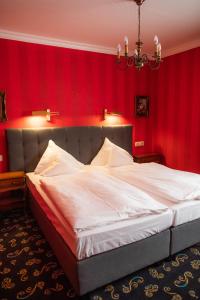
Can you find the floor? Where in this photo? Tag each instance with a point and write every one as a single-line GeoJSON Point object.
{"type": "Point", "coordinates": [29, 270]}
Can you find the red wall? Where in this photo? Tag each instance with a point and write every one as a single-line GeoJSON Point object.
{"type": "Point", "coordinates": [80, 84]}
{"type": "Point", "coordinates": [175, 92]}
{"type": "Point", "coordinates": [77, 84]}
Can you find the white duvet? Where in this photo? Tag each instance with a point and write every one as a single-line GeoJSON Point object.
{"type": "Point", "coordinates": [173, 185]}
{"type": "Point", "coordinates": [91, 198]}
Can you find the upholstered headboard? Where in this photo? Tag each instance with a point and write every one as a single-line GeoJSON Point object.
{"type": "Point", "coordinates": [26, 146]}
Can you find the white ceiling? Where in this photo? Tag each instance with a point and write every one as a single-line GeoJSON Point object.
{"type": "Point", "coordinates": [100, 25]}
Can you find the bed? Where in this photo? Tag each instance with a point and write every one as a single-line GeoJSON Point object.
{"type": "Point", "coordinates": [25, 147]}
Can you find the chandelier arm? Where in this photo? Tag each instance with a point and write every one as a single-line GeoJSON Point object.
{"type": "Point", "coordinates": [127, 62]}
{"type": "Point", "coordinates": [130, 61]}
{"type": "Point", "coordinates": [154, 64]}
{"type": "Point", "coordinates": [145, 58]}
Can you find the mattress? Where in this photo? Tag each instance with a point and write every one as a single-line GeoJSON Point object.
{"type": "Point", "coordinates": [97, 240]}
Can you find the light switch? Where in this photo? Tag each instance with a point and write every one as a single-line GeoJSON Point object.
{"type": "Point", "coordinates": [139, 144]}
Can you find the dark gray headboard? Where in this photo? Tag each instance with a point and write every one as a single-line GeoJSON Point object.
{"type": "Point", "coordinates": [26, 146]}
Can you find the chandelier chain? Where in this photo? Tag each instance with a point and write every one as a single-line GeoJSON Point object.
{"type": "Point", "coordinates": [139, 18]}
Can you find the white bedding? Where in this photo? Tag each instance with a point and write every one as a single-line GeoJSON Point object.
{"type": "Point", "coordinates": [91, 198]}
{"type": "Point", "coordinates": [102, 238]}
{"type": "Point", "coordinates": [173, 185]}
{"type": "Point", "coordinates": [162, 184]}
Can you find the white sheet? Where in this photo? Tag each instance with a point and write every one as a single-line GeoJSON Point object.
{"type": "Point", "coordinates": [91, 198]}
{"type": "Point", "coordinates": [173, 185]}
{"type": "Point", "coordinates": [104, 238]}
{"type": "Point", "coordinates": [186, 212]}
{"type": "Point", "coordinates": [145, 176]}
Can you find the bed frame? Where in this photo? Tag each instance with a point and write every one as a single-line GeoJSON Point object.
{"type": "Point", "coordinates": [26, 146]}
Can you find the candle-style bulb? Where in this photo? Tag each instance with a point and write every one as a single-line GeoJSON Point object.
{"type": "Point", "coordinates": [119, 48]}
{"type": "Point", "coordinates": [126, 45]}
{"type": "Point", "coordinates": [159, 49]}
{"type": "Point", "coordinates": [126, 40]}
{"type": "Point", "coordinates": [155, 40]}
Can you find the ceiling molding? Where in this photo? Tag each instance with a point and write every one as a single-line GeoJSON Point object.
{"type": "Point", "coordinates": [29, 38]}
{"type": "Point", "coordinates": [181, 48]}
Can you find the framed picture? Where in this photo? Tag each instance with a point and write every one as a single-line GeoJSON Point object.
{"type": "Point", "coordinates": [141, 106]}
{"type": "Point", "coordinates": [3, 116]}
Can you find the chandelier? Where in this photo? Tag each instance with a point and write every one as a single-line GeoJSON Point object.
{"type": "Point", "coordinates": [139, 59]}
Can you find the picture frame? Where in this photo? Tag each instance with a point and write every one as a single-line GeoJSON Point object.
{"type": "Point", "coordinates": [3, 115]}
{"type": "Point", "coordinates": [141, 106]}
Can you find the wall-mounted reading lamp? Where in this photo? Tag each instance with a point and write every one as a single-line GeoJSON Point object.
{"type": "Point", "coordinates": [46, 113]}
{"type": "Point", "coordinates": [110, 114]}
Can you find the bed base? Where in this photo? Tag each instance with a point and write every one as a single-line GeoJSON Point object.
{"type": "Point", "coordinates": [90, 273]}
{"type": "Point", "coordinates": [184, 236]}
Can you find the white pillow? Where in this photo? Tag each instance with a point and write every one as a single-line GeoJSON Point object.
{"type": "Point", "coordinates": [47, 158]}
{"type": "Point", "coordinates": [56, 161]}
{"type": "Point", "coordinates": [119, 157]}
{"type": "Point", "coordinates": [59, 168]}
{"type": "Point", "coordinates": [111, 155]}
{"type": "Point", "coordinates": [101, 159]}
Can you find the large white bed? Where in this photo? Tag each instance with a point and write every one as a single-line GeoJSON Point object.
{"type": "Point", "coordinates": [142, 233]}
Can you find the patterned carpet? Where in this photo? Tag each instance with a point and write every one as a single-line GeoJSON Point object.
{"type": "Point", "coordinates": [29, 270]}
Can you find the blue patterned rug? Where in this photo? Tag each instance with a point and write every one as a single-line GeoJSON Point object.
{"type": "Point", "coordinates": [29, 270]}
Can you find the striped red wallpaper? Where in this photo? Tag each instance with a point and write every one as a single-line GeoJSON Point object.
{"type": "Point", "coordinates": [77, 84]}
{"type": "Point", "coordinates": [80, 84]}
{"type": "Point", "coordinates": [175, 91]}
